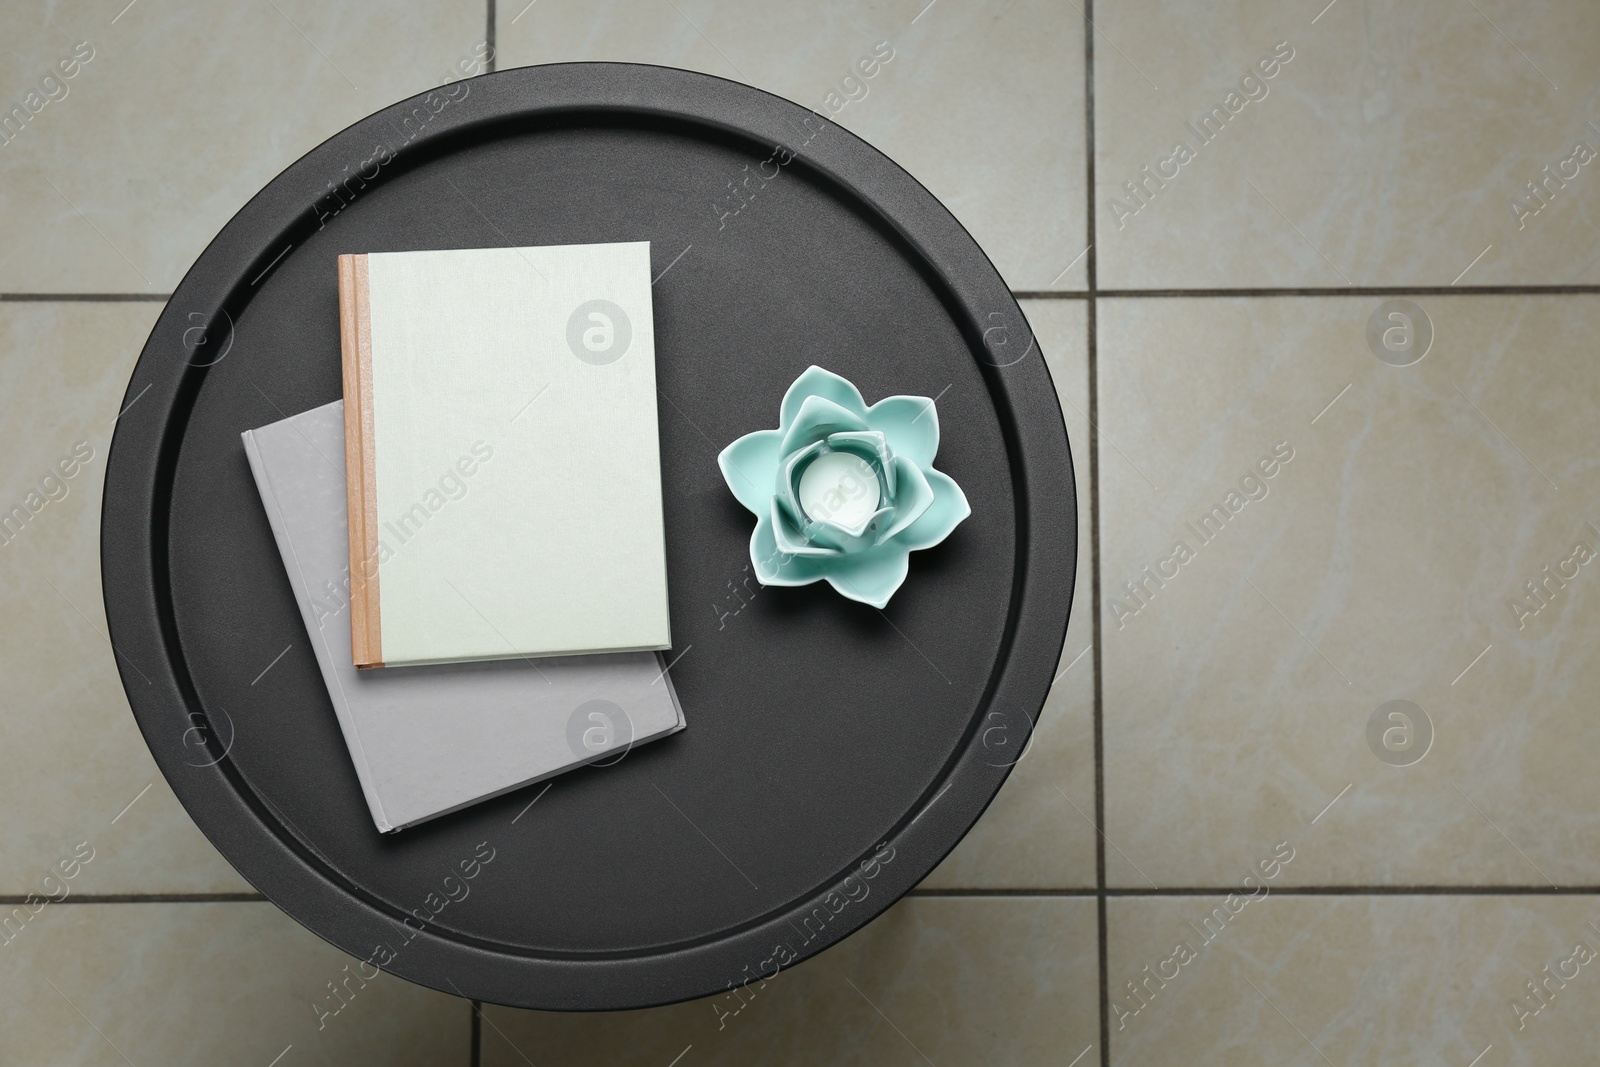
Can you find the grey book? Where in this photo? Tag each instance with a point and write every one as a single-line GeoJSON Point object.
{"type": "Point", "coordinates": [429, 740]}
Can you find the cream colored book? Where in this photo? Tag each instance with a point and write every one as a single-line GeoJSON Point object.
{"type": "Point", "coordinates": [504, 488]}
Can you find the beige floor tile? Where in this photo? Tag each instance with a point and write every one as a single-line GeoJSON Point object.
{"type": "Point", "coordinates": [1039, 832]}
{"type": "Point", "coordinates": [982, 103]}
{"type": "Point", "coordinates": [1388, 150]}
{"type": "Point", "coordinates": [113, 984]}
{"type": "Point", "coordinates": [73, 758]}
{"type": "Point", "coordinates": [1380, 563]}
{"type": "Point", "coordinates": [181, 113]}
{"type": "Point", "coordinates": [935, 979]}
{"type": "Point", "coordinates": [1290, 980]}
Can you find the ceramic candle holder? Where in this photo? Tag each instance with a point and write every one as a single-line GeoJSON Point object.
{"type": "Point", "coordinates": [843, 492]}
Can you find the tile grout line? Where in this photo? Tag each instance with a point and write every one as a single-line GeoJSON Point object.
{"type": "Point", "coordinates": [1288, 891]}
{"type": "Point", "coordinates": [490, 68]}
{"type": "Point", "coordinates": [1343, 290]}
{"type": "Point", "coordinates": [84, 298]}
{"type": "Point", "coordinates": [475, 1055]}
{"type": "Point", "coordinates": [1091, 340]}
{"type": "Point", "coordinates": [7, 900]}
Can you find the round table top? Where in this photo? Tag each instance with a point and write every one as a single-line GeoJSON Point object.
{"type": "Point", "coordinates": [834, 752]}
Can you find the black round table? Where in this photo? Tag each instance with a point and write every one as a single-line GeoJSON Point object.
{"type": "Point", "coordinates": [834, 752]}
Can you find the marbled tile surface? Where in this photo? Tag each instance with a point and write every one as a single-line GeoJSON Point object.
{"type": "Point", "coordinates": [73, 761]}
{"type": "Point", "coordinates": [933, 980]}
{"type": "Point", "coordinates": [1346, 980]}
{"type": "Point", "coordinates": [1379, 563]}
{"type": "Point", "coordinates": [1394, 146]}
{"type": "Point", "coordinates": [105, 984]}
{"type": "Point", "coordinates": [180, 114]}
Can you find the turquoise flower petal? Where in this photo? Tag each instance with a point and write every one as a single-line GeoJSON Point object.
{"type": "Point", "coordinates": [774, 567]}
{"type": "Point", "coordinates": [749, 466]}
{"type": "Point", "coordinates": [790, 540]}
{"type": "Point", "coordinates": [872, 447]}
{"type": "Point", "coordinates": [911, 423]}
{"type": "Point", "coordinates": [826, 532]}
{"type": "Point", "coordinates": [916, 506]}
{"type": "Point", "coordinates": [818, 382]}
{"type": "Point", "coordinates": [949, 507]}
{"type": "Point", "coordinates": [870, 577]}
{"type": "Point", "coordinates": [788, 486]}
{"type": "Point", "coordinates": [913, 500]}
{"type": "Point", "coordinates": [817, 418]}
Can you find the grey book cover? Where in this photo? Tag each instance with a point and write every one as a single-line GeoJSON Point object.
{"type": "Point", "coordinates": [428, 740]}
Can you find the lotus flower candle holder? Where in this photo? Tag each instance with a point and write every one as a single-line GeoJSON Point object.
{"type": "Point", "coordinates": [843, 492]}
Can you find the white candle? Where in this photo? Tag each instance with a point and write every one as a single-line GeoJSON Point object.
{"type": "Point", "coordinates": [840, 487]}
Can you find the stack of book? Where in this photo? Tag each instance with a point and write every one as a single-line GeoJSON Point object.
{"type": "Point", "coordinates": [474, 534]}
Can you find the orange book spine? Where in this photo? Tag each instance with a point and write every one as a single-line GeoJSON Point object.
{"type": "Point", "coordinates": [361, 485]}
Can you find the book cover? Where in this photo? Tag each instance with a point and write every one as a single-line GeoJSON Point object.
{"type": "Point", "coordinates": [504, 496]}
{"type": "Point", "coordinates": [429, 740]}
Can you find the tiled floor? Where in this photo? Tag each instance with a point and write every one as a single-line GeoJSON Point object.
{"type": "Point", "coordinates": [1225, 844]}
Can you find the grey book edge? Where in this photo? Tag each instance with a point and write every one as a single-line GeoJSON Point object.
{"type": "Point", "coordinates": [499, 679]}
